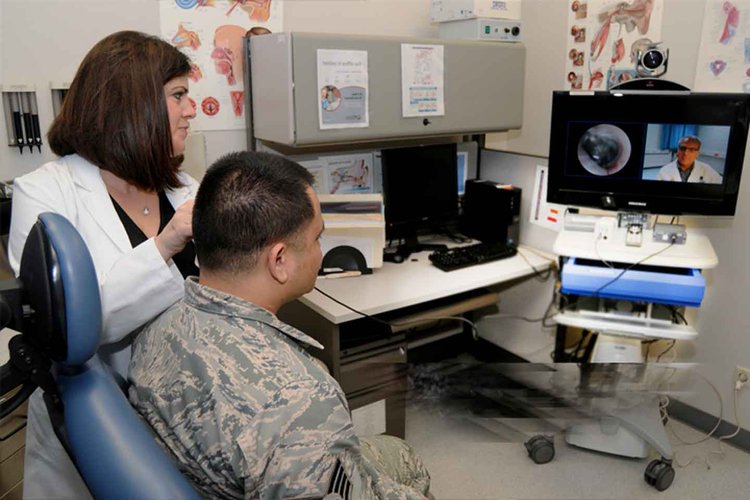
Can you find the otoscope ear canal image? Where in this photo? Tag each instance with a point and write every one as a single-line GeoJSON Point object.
{"type": "Point", "coordinates": [604, 149]}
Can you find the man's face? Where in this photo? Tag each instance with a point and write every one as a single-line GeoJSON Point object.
{"type": "Point", "coordinates": [687, 152]}
{"type": "Point", "coordinates": [306, 251]}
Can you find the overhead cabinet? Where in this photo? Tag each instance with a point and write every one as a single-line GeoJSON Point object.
{"type": "Point", "coordinates": [482, 87]}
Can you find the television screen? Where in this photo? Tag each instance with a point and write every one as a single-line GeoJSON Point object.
{"type": "Point", "coordinates": [420, 188]}
{"type": "Point", "coordinates": [663, 153]}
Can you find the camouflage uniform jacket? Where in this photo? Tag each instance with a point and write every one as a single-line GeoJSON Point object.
{"type": "Point", "coordinates": [243, 408]}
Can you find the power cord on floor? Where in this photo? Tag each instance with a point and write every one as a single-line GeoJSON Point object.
{"type": "Point", "coordinates": [705, 459]}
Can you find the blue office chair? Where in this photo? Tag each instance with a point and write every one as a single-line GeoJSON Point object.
{"type": "Point", "coordinates": [113, 449]}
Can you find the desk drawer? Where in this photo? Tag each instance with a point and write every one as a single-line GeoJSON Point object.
{"type": "Point", "coordinates": [373, 368]}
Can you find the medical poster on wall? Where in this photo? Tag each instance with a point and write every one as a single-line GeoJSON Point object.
{"type": "Point", "coordinates": [210, 33]}
{"type": "Point", "coordinates": [342, 174]}
{"type": "Point", "coordinates": [602, 38]}
{"type": "Point", "coordinates": [422, 80]}
{"type": "Point", "coordinates": [724, 56]}
{"type": "Point", "coordinates": [343, 89]}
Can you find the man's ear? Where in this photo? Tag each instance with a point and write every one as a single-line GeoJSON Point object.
{"type": "Point", "coordinates": [278, 262]}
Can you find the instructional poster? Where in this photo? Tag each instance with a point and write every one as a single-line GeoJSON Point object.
{"type": "Point", "coordinates": [342, 174]}
{"type": "Point", "coordinates": [604, 37]}
{"type": "Point", "coordinates": [210, 33]}
{"type": "Point", "coordinates": [422, 80]}
{"type": "Point", "coordinates": [343, 86]}
{"type": "Point", "coordinates": [724, 56]}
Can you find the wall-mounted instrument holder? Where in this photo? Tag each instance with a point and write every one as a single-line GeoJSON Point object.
{"type": "Point", "coordinates": [58, 89]}
{"type": "Point", "coordinates": [21, 117]}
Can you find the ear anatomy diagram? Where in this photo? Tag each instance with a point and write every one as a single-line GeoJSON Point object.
{"type": "Point", "coordinates": [257, 10]}
{"type": "Point", "coordinates": [632, 15]}
{"type": "Point", "coordinates": [186, 38]}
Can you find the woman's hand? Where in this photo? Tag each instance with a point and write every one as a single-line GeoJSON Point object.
{"type": "Point", "coordinates": [177, 232]}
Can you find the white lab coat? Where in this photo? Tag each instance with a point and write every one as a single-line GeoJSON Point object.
{"type": "Point", "coordinates": [135, 285]}
{"type": "Point", "coordinates": [702, 173]}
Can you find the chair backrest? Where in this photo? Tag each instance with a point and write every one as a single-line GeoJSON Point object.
{"type": "Point", "coordinates": [114, 450]}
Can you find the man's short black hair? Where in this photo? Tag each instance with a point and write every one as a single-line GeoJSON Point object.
{"type": "Point", "coordinates": [246, 201]}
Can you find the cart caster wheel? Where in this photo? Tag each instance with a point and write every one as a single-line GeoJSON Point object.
{"type": "Point", "coordinates": [541, 449]}
{"type": "Point", "coordinates": [659, 474]}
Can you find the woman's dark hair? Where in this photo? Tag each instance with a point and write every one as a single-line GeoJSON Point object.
{"type": "Point", "coordinates": [115, 113]}
{"type": "Point", "coordinates": [245, 202]}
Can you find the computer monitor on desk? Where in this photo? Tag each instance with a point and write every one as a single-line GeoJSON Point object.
{"type": "Point", "coordinates": [420, 191]}
{"type": "Point", "coordinates": [623, 151]}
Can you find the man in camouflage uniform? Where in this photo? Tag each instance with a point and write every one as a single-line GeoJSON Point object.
{"type": "Point", "coordinates": [229, 388]}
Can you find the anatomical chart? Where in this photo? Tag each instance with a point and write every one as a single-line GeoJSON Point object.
{"type": "Point", "coordinates": [210, 33]}
{"type": "Point", "coordinates": [342, 174]}
{"type": "Point", "coordinates": [724, 56]}
{"type": "Point", "coordinates": [603, 38]}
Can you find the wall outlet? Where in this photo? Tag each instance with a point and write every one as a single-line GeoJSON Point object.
{"type": "Point", "coordinates": [742, 376]}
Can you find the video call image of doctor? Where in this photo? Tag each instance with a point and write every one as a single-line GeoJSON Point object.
{"type": "Point", "coordinates": [120, 136]}
{"type": "Point", "coordinates": [686, 167]}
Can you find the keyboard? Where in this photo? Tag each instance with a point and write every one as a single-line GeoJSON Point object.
{"type": "Point", "coordinates": [478, 253]}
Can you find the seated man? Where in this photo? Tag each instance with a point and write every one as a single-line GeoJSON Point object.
{"type": "Point", "coordinates": [687, 167]}
{"type": "Point", "coordinates": [229, 388]}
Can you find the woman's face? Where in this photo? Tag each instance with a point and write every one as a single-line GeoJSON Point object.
{"type": "Point", "coordinates": [180, 111]}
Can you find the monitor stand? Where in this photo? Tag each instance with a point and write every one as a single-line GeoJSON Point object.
{"type": "Point", "coordinates": [410, 245]}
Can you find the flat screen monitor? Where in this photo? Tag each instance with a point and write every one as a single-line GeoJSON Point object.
{"type": "Point", "coordinates": [420, 191]}
{"type": "Point", "coordinates": [661, 153]}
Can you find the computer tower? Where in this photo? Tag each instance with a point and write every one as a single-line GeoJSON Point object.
{"type": "Point", "coordinates": [491, 211]}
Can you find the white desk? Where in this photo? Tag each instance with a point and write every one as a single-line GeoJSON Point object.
{"type": "Point", "coordinates": [412, 282]}
{"type": "Point", "coordinates": [371, 368]}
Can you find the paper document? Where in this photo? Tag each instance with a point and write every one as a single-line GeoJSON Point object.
{"type": "Point", "coordinates": [343, 88]}
{"type": "Point", "coordinates": [422, 80]}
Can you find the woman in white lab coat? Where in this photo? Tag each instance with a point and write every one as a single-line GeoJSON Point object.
{"type": "Point", "coordinates": [120, 136]}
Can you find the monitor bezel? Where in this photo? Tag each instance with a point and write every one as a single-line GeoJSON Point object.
{"type": "Point", "coordinates": [657, 197]}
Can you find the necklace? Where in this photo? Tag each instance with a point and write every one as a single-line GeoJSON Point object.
{"type": "Point", "coordinates": [146, 211]}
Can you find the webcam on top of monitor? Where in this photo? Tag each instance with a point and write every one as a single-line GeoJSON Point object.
{"type": "Point", "coordinates": [650, 59]}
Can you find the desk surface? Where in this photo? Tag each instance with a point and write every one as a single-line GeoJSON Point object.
{"type": "Point", "coordinates": [413, 282]}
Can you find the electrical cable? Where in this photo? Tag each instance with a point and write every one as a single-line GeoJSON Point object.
{"type": "Point", "coordinates": [721, 451]}
{"type": "Point", "coordinates": [474, 331]}
{"type": "Point", "coordinates": [548, 315]}
{"type": "Point", "coordinates": [540, 275]}
{"type": "Point", "coordinates": [718, 421]}
{"type": "Point", "coordinates": [671, 345]}
{"type": "Point", "coordinates": [596, 292]}
{"type": "Point", "coordinates": [596, 251]}
{"type": "Point", "coordinates": [677, 315]}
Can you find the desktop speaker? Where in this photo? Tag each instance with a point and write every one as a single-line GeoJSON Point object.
{"type": "Point", "coordinates": [491, 212]}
